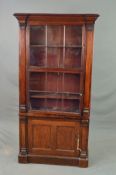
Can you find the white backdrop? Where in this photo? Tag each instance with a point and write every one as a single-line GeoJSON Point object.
{"type": "Point", "coordinates": [102, 142]}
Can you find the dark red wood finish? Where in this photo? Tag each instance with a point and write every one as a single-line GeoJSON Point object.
{"type": "Point", "coordinates": [55, 65]}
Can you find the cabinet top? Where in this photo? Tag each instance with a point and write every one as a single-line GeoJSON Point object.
{"type": "Point", "coordinates": [56, 18]}
{"type": "Point", "coordinates": [56, 14]}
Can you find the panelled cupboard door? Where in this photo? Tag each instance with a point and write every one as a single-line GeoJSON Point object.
{"type": "Point", "coordinates": [59, 138]}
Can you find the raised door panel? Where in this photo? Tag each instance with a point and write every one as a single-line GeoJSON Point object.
{"type": "Point", "coordinates": [54, 137]}
{"type": "Point", "coordinates": [63, 133]}
{"type": "Point", "coordinates": [41, 136]}
{"type": "Point", "coordinates": [67, 135]}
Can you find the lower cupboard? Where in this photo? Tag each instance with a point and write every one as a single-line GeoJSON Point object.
{"type": "Point", "coordinates": [53, 137]}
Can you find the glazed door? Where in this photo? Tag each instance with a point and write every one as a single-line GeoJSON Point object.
{"type": "Point", "coordinates": [61, 138]}
{"type": "Point", "coordinates": [55, 57]}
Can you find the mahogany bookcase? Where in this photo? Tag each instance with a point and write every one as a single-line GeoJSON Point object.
{"type": "Point", "coordinates": [55, 64]}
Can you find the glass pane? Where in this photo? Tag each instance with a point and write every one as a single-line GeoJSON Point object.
{"type": "Point", "coordinates": [37, 81]}
{"type": "Point", "coordinates": [72, 83]}
{"type": "Point", "coordinates": [37, 35]}
{"type": "Point", "coordinates": [70, 105]}
{"type": "Point", "coordinates": [38, 104]}
{"type": "Point", "coordinates": [54, 57]}
{"type": "Point", "coordinates": [73, 35]}
{"type": "Point", "coordinates": [54, 85]}
{"type": "Point", "coordinates": [52, 82]}
{"type": "Point", "coordinates": [37, 56]}
{"type": "Point", "coordinates": [55, 35]}
{"type": "Point", "coordinates": [72, 58]}
{"type": "Point", "coordinates": [54, 104]}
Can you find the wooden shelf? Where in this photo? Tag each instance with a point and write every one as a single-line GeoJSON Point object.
{"type": "Point", "coordinates": [55, 95]}
{"type": "Point", "coordinates": [65, 93]}
{"type": "Point", "coordinates": [56, 46]}
{"type": "Point", "coordinates": [46, 69]}
{"type": "Point", "coordinates": [52, 114]}
{"type": "Point", "coordinates": [55, 110]}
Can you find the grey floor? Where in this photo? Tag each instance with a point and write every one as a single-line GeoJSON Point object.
{"type": "Point", "coordinates": [102, 151]}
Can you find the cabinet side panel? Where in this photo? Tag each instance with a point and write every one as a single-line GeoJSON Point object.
{"type": "Point", "coordinates": [87, 96]}
{"type": "Point", "coordinates": [22, 95]}
{"type": "Point", "coordinates": [22, 69]}
{"type": "Point", "coordinates": [88, 69]}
